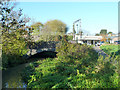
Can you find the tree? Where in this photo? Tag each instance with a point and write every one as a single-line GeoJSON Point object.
{"type": "Point", "coordinates": [97, 34]}
{"type": "Point", "coordinates": [69, 38]}
{"type": "Point", "coordinates": [103, 31]}
{"type": "Point", "coordinates": [58, 38]}
{"type": "Point", "coordinates": [12, 20]}
{"type": "Point", "coordinates": [56, 27]}
{"type": "Point", "coordinates": [110, 33]}
{"type": "Point", "coordinates": [103, 38]}
{"type": "Point", "coordinates": [37, 27]}
{"type": "Point", "coordinates": [52, 30]}
{"type": "Point", "coordinates": [14, 32]}
{"type": "Point", "coordinates": [109, 40]}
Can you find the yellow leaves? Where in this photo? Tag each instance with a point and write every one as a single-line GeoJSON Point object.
{"type": "Point", "coordinates": [93, 72]}
{"type": "Point", "coordinates": [78, 72]}
{"type": "Point", "coordinates": [81, 75]}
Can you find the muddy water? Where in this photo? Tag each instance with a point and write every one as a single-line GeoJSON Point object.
{"type": "Point", "coordinates": [11, 78]}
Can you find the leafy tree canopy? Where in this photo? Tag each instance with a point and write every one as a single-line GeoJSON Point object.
{"type": "Point", "coordinates": [56, 26]}
{"type": "Point", "coordinates": [110, 32]}
{"type": "Point", "coordinates": [37, 27]}
{"type": "Point", "coordinates": [97, 34]}
{"type": "Point", "coordinates": [103, 31]}
{"type": "Point", "coordinates": [14, 32]}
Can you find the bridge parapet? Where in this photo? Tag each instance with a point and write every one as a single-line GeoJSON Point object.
{"type": "Point", "coordinates": [40, 47]}
{"type": "Point", "coordinates": [34, 51]}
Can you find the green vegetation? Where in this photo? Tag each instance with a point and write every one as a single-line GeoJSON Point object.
{"type": "Point", "coordinates": [37, 28]}
{"type": "Point", "coordinates": [50, 31]}
{"type": "Point", "coordinates": [111, 49]}
{"type": "Point", "coordinates": [110, 33]}
{"type": "Point", "coordinates": [76, 66]}
{"type": "Point", "coordinates": [103, 31]}
{"type": "Point", "coordinates": [97, 34]}
{"type": "Point", "coordinates": [17, 36]}
{"type": "Point", "coordinates": [14, 30]}
{"type": "Point", "coordinates": [56, 27]}
{"type": "Point", "coordinates": [69, 38]}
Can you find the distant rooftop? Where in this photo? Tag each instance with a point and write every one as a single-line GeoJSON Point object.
{"type": "Point", "coordinates": [91, 37]}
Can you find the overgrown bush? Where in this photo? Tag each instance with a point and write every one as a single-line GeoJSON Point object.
{"type": "Point", "coordinates": [69, 38]}
{"type": "Point", "coordinates": [76, 66]}
{"type": "Point", "coordinates": [111, 49]}
{"type": "Point", "coordinates": [76, 51]}
{"type": "Point", "coordinates": [57, 73]}
{"type": "Point", "coordinates": [13, 50]}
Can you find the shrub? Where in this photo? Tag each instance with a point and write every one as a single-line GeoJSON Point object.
{"type": "Point", "coordinates": [76, 51]}
{"type": "Point", "coordinates": [13, 50]}
{"type": "Point", "coordinates": [77, 66]}
{"type": "Point", "coordinates": [111, 49]}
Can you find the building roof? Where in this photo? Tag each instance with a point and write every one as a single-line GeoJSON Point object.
{"type": "Point", "coordinates": [91, 38]}
{"type": "Point", "coordinates": [112, 37]}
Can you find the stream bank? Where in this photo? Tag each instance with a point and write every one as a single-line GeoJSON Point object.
{"type": "Point", "coordinates": [11, 78]}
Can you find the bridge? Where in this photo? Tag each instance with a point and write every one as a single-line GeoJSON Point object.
{"type": "Point", "coordinates": [34, 51]}
{"type": "Point", "coordinates": [40, 47]}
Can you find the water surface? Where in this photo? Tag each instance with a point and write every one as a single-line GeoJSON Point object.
{"type": "Point", "coordinates": [11, 78]}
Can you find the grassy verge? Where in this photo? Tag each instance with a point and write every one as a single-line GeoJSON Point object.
{"type": "Point", "coordinates": [111, 49]}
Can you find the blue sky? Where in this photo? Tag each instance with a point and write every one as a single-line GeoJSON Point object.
{"type": "Point", "coordinates": [94, 15]}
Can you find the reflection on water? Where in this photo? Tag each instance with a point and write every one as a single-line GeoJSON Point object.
{"type": "Point", "coordinates": [15, 85]}
{"type": "Point", "coordinates": [11, 78]}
